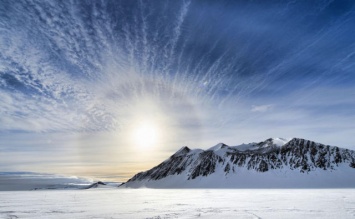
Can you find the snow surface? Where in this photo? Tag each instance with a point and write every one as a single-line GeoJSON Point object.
{"type": "Point", "coordinates": [254, 146]}
{"type": "Point", "coordinates": [217, 147]}
{"type": "Point", "coordinates": [280, 141]}
{"type": "Point", "coordinates": [183, 203]}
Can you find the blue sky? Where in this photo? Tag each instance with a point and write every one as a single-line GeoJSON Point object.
{"type": "Point", "coordinates": [77, 78]}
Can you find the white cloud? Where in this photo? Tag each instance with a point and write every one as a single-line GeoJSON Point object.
{"type": "Point", "coordinates": [262, 108]}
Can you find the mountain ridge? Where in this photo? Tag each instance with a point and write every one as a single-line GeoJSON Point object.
{"type": "Point", "coordinates": [275, 157]}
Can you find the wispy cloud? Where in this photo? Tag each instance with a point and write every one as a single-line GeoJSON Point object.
{"type": "Point", "coordinates": [72, 71]}
{"type": "Point", "coordinates": [262, 108]}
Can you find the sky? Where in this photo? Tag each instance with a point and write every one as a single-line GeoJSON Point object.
{"type": "Point", "coordinates": [106, 89]}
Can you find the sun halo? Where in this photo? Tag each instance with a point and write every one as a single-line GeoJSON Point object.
{"type": "Point", "coordinates": [145, 134]}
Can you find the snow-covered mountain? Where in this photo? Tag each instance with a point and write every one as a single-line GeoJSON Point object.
{"type": "Point", "coordinates": [273, 163]}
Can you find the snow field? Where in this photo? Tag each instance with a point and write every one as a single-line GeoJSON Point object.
{"type": "Point", "coordinates": [179, 203]}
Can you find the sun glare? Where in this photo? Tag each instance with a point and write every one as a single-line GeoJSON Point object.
{"type": "Point", "coordinates": [145, 135]}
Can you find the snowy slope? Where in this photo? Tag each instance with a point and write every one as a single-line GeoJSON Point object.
{"type": "Point", "coordinates": [273, 163]}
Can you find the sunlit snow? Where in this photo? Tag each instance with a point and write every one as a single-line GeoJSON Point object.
{"type": "Point", "coordinates": [151, 203]}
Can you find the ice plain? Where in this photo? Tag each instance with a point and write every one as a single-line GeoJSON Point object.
{"type": "Point", "coordinates": [178, 203]}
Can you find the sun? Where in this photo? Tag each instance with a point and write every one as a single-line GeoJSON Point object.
{"type": "Point", "coordinates": [146, 134]}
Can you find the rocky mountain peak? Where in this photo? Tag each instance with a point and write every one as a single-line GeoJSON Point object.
{"type": "Point", "coordinates": [218, 147]}
{"type": "Point", "coordinates": [274, 155]}
{"type": "Point", "coordinates": [182, 151]}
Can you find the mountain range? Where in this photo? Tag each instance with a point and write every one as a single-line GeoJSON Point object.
{"type": "Point", "coordinates": [273, 163]}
